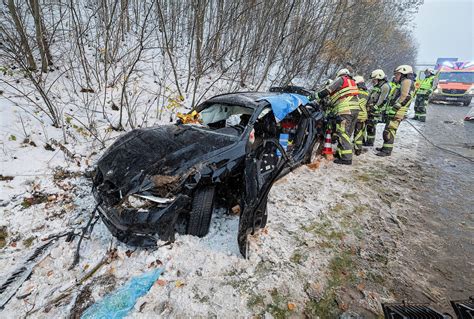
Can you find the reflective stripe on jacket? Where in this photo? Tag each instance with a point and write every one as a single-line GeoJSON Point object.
{"type": "Point", "coordinates": [345, 97]}
{"type": "Point", "coordinates": [363, 97]}
{"type": "Point", "coordinates": [425, 85]}
{"type": "Point", "coordinates": [379, 97]}
{"type": "Point", "coordinates": [348, 88]}
{"type": "Point", "coordinates": [393, 91]}
{"type": "Point", "coordinates": [404, 93]}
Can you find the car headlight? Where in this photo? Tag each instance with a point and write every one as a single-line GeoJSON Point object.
{"type": "Point", "coordinates": [471, 90]}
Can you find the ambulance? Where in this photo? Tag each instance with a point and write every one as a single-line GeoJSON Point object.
{"type": "Point", "coordinates": [455, 83]}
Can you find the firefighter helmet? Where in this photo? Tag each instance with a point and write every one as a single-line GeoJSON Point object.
{"type": "Point", "coordinates": [342, 72]}
{"type": "Point", "coordinates": [328, 82]}
{"type": "Point", "coordinates": [404, 69]}
{"type": "Point", "coordinates": [378, 74]}
{"type": "Point", "coordinates": [430, 71]}
{"type": "Point", "coordinates": [358, 79]}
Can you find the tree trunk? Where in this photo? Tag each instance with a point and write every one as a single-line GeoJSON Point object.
{"type": "Point", "coordinates": [40, 36]}
{"type": "Point", "coordinates": [25, 47]}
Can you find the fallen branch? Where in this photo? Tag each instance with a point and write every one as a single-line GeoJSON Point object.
{"type": "Point", "coordinates": [105, 260]}
{"type": "Point", "coordinates": [84, 231]}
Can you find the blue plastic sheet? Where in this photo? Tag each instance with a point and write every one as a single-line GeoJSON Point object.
{"type": "Point", "coordinates": [117, 304]}
{"type": "Point", "coordinates": [283, 142]}
{"type": "Point", "coordinates": [283, 104]}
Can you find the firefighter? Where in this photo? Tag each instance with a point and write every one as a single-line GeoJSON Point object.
{"type": "Point", "coordinates": [329, 112]}
{"type": "Point", "coordinates": [424, 89]}
{"type": "Point", "coordinates": [362, 117]}
{"type": "Point", "coordinates": [393, 88]}
{"type": "Point", "coordinates": [343, 97]}
{"type": "Point", "coordinates": [397, 107]}
{"type": "Point", "coordinates": [377, 101]}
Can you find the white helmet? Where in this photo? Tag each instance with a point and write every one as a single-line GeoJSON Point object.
{"type": "Point", "coordinates": [343, 72]}
{"type": "Point", "coordinates": [377, 74]}
{"type": "Point", "coordinates": [328, 82]}
{"type": "Point", "coordinates": [430, 71]}
{"type": "Point", "coordinates": [359, 79]}
{"type": "Point", "coordinates": [404, 69]}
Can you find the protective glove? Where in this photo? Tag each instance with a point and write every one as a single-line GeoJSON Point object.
{"type": "Point", "coordinates": [390, 112]}
{"type": "Point", "coordinates": [314, 97]}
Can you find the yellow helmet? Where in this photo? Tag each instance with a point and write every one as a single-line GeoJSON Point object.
{"type": "Point", "coordinates": [404, 69]}
{"type": "Point", "coordinates": [377, 74]}
{"type": "Point", "coordinates": [343, 72]}
{"type": "Point", "coordinates": [359, 79]}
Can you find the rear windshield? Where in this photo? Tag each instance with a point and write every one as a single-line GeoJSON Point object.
{"type": "Point", "coordinates": [464, 77]}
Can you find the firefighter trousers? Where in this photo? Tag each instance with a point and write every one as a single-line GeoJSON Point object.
{"type": "Point", "coordinates": [371, 129]}
{"type": "Point", "coordinates": [389, 133]}
{"type": "Point", "coordinates": [421, 102]}
{"type": "Point", "coordinates": [359, 131]}
{"type": "Point", "coordinates": [344, 128]}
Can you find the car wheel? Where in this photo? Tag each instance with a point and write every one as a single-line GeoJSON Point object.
{"type": "Point", "coordinates": [200, 215]}
{"type": "Point", "coordinates": [466, 103]}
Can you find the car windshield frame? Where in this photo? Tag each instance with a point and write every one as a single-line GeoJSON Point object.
{"type": "Point", "coordinates": [457, 77]}
{"type": "Point", "coordinates": [224, 113]}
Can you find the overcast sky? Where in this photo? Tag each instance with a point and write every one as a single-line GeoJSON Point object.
{"type": "Point", "coordinates": [445, 28]}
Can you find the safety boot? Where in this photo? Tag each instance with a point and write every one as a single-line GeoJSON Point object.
{"type": "Point", "coordinates": [342, 162]}
{"type": "Point", "coordinates": [357, 152]}
{"type": "Point", "coordinates": [383, 153]}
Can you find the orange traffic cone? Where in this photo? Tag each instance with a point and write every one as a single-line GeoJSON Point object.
{"type": "Point", "coordinates": [327, 150]}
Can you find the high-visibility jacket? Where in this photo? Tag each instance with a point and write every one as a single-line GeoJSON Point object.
{"type": "Point", "coordinates": [393, 90]}
{"type": "Point", "coordinates": [363, 97]}
{"type": "Point", "coordinates": [345, 98]}
{"type": "Point", "coordinates": [425, 85]}
{"type": "Point", "coordinates": [375, 96]}
{"type": "Point", "coordinates": [401, 106]}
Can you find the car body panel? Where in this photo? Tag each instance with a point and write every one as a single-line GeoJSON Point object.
{"type": "Point", "coordinates": [146, 180]}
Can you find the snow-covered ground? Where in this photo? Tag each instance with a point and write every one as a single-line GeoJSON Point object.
{"type": "Point", "coordinates": [334, 242]}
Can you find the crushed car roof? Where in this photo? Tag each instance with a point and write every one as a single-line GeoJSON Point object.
{"type": "Point", "coordinates": [249, 99]}
{"type": "Point", "coordinates": [285, 103]}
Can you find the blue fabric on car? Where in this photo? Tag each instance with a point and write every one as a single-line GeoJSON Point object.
{"type": "Point", "coordinates": [285, 103]}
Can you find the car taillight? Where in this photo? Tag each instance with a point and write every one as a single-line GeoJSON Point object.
{"type": "Point", "coordinates": [252, 136]}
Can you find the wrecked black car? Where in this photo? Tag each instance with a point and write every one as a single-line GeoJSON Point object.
{"type": "Point", "coordinates": [154, 182]}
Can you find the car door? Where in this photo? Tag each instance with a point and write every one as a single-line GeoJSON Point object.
{"type": "Point", "coordinates": [262, 167]}
{"type": "Point", "coordinates": [305, 136]}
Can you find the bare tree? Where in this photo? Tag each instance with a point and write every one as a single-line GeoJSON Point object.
{"type": "Point", "coordinates": [25, 47]}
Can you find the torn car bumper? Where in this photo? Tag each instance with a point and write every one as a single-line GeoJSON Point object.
{"type": "Point", "coordinates": [143, 227]}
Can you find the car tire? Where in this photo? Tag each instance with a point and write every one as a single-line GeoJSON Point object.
{"type": "Point", "coordinates": [201, 213]}
{"type": "Point", "coordinates": [466, 103]}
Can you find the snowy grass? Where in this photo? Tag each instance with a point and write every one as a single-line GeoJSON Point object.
{"type": "Point", "coordinates": [317, 247]}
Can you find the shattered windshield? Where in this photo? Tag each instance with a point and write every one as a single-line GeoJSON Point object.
{"type": "Point", "coordinates": [225, 115]}
{"type": "Point", "coordinates": [460, 77]}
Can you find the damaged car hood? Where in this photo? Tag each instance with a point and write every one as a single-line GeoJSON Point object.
{"type": "Point", "coordinates": [168, 150]}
